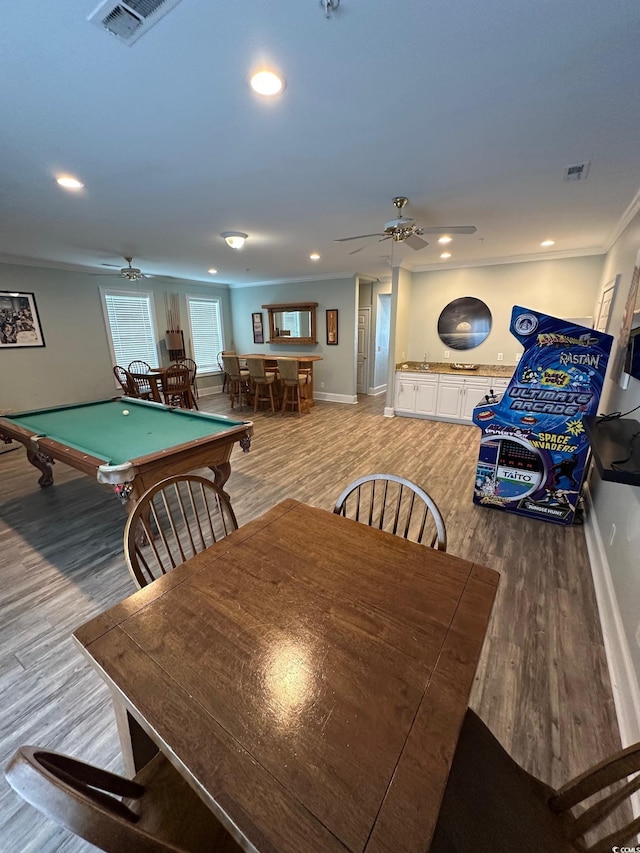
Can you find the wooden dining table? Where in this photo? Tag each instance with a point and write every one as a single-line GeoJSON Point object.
{"type": "Point", "coordinates": [154, 379]}
{"type": "Point", "coordinates": [308, 676]}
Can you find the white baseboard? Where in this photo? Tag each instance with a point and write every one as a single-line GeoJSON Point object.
{"type": "Point", "coordinates": [210, 391]}
{"type": "Point", "coordinates": [334, 398]}
{"type": "Point", "coordinates": [377, 390]}
{"type": "Point", "coordinates": [624, 683]}
{"type": "Point", "coordinates": [389, 412]}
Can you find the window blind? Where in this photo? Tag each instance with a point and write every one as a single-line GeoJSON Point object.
{"type": "Point", "coordinates": [131, 328]}
{"type": "Point", "coordinates": [206, 332]}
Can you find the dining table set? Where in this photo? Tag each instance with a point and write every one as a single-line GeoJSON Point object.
{"type": "Point", "coordinates": [173, 384]}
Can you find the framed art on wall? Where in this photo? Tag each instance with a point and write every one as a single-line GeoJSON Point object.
{"type": "Point", "coordinates": [258, 330]}
{"type": "Point", "coordinates": [332, 326]}
{"type": "Point", "coordinates": [19, 321]}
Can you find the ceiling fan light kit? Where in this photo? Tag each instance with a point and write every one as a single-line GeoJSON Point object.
{"type": "Point", "coordinates": [130, 273]}
{"type": "Point", "coordinates": [329, 6]}
{"type": "Point", "coordinates": [234, 239]}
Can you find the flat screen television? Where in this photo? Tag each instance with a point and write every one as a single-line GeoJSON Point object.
{"type": "Point", "coordinates": [632, 361]}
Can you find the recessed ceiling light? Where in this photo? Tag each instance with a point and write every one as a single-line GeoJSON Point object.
{"type": "Point", "coordinates": [267, 83]}
{"type": "Point", "coordinates": [314, 256]}
{"type": "Point", "coordinates": [212, 271]}
{"type": "Point", "coordinates": [444, 239]}
{"type": "Point", "coordinates": [69, 183]}
{"type": "Point", "coordinates": [548, 243]}
{"type": "Point", "coordinates": [445, 255]}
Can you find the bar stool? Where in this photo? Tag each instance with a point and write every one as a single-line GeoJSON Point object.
{"type": "Point", "coordinates": [294, 382]}
{"type": "Point", "coordinates": [261, 379]}
{"type": "Point", "coordinates": [238, 378]}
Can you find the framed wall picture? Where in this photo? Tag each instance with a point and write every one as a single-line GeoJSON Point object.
{"type": "Point", "coordinates": [332, 326]}
{"type": "Point", "coordinates": [258, 329]}
{"type": "Point", "coordinates": [19, 321]}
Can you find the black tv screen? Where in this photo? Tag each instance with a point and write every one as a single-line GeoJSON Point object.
{"type": "Point", "coordinates": [632, 362]}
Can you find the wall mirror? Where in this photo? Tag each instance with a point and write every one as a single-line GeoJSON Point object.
{"type": "Point", "coordinates": [292, 323]}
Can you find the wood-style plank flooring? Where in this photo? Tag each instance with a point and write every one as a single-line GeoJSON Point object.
{"type": "Point", "coordinates": [542, 684]}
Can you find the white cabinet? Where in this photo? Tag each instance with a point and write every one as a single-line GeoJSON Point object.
{"type": "Point", "coordinates": [416, 394]}
{"type": "Point", "coordinates": [443, 396]}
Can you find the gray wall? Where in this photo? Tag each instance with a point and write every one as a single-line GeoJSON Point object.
{"type": "Point", "coordinates": [76, 364]}
{"type": "Point", "coordinates": [337, 368]}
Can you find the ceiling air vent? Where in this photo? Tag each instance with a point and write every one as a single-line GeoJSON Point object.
{"type": "Point", "coordinates": [578, 172]}
{"type": "Point", "coordinates": [129, 20]}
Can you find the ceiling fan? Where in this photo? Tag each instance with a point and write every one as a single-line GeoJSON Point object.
{"type": "Point", "coordinates": [403, 229]}
{"type": "Point", "coordinates": [129, 272]}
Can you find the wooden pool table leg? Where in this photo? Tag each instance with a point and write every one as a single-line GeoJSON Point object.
{"type": "Point", "coordinates": [221, 473]}
{"type": "Point", "coordinates": [43, 463]}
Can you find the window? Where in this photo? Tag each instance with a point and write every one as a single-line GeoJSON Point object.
{"type": "Point", "coordinates": [205, 320]}
{"type": "Point", "coordinates": [132, 332]}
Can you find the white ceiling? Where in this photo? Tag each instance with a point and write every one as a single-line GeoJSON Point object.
{"type": "Point", "coordinates": [473, 110]}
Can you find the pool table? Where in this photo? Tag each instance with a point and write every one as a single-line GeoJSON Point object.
{"type": "Point", "coordinates": [130, 452]}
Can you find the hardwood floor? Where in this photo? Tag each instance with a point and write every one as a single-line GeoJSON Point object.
{"type": "Point", "coordinates": [542, 684]}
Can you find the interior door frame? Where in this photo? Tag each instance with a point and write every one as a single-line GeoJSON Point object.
{"type": "Point", "coordinates": [364, 387]}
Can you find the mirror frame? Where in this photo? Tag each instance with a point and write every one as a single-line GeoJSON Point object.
{"type": "Point", "coordinates": [291, 306]}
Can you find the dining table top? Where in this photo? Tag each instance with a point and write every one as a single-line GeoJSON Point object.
{"type": "Point", "coordinates": [308, 675]}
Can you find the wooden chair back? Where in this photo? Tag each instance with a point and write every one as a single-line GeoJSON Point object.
{"type": "Point", "coordinates": [396, 505]}
{"type": "Point", "coordinates": [262, 381]}
{"type": "Point", "coordinates": [176, 387]}
{"type": "Point", "coordinates": [156, 812]}
{"type": "Point", "coordinates": [491, 804]}
{"type": "Point", "coordinates": [124, 379]}
{"type": "Point", "coordinates": [139, 367]}
{"type": "Point", "coordinates": [192, 367]}
{"type": "Point", "coordinates": [289, 372]}
{"type": "Point", "coordinates": [140, 387]}
{"type": "Point", "coordinates": [173, 521]}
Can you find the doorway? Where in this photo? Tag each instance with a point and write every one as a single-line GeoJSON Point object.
{"type": "Point", "coordinates": [362, 352]}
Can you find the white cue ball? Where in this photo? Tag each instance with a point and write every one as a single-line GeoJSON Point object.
{"type": "Point", "coordinates": [125, 411]}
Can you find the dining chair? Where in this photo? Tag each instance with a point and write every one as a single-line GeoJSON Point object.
{"type": "Point", "coordinates": [225, 377]}
{"type": "Point", "coordinates": [176, 387]}
{"type": "Point", "coordinates": [124, 379]}
{"type": "Point", "coordinates": [238, 378]}
{"type": "Point", "coordinates": [396, 505]}
{"type": "Point", "coordinates": [139, 367]}
{"type": "Point", "coordinates": [262, 381]}
{"type": "Point", "coordinates": [193, 370]}
{"type": "Point", "coordinates": [155, 812]}
{"type": "Point", "coordinates": [294, 383]}
{"type": "Point", "coordinates": [492, 805]}
{"type": "Point", "coordinates": [173, 521]}
{"type": "Point", "coordinates": [139, 386]}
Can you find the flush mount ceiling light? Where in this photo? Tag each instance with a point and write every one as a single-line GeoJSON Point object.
{"type": "Point", "coordinates": [445, 255]}
{"type": "Point", "coordinates": [212, 271]}
{"type": "Point", "coordinates": [234, 239]}
{"type": "Point", "coordinates": [266, 82]}
{"type": "Point", "coordinates": [69, 183]}
{"type": "Point", "coordinates": [548, 243]}
{"type": "Point", "coordinates": [314, 256]}
{"type": "Point", "coordinates": [444, 239]}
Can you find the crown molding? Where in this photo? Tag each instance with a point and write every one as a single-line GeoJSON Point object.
{"type": "Point", "coordinates": [623, 222]}
{"type": "Point", "coordinates": [515, 259]}
{"type": "Point", "coordinates": [302, 279]}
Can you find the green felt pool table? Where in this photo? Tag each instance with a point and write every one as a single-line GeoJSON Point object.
{"type": "Point", "coordinates": [131, 452]}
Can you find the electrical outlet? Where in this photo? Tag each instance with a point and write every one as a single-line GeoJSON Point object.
{"type": "Point", "coordinates": [612, 535]}
{"type": "Point", "coordinates": [500, 356]}
{"type": "Point", "coordinates": [322, 384]}
{"type": "Point", "coordinates": [446, 353]}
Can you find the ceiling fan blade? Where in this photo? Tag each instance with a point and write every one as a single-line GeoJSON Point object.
{"type": "Point", "coordinates": [359, 237]}
{"type": "Point", "coordinates": [415, 242]}
{"type": "Point", "coordinates": [450, 229]}
{"type": "Point", "coordinates": [355, 251]}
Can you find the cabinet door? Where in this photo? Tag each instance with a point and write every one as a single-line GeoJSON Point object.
{"type": "Point", "coordinates": [449, 397]}
{"type": "Point", "coordinates": [472, 395]}
{"type": "Point", "coordinates": [405, 395]}
{"type": "Point", "coordinates": [426, 396]}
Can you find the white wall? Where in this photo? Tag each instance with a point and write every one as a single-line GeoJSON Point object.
{"type": "Point", "coordinates": [337, 368]}
{"type": "Point", "coordinates": [562, 288]}
{"type": "Point", "coordinates": [76, 364]}
{"type": "Point", "coordinates": [616, 503]}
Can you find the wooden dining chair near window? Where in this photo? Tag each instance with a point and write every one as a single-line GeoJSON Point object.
{"type": "Point", "coordinates": [173, 521]}
{"type": "Point", "coordinates": [238, 378]}
{"type": "Point", "coordinates": [176, 387]}
{"type": "Point", "coordinates": [225, 377]}
{"type": "Point", "coordinates": [139, 367]}
{"type": "Point", "coordinates": [262, 383]}
{"type": "Point", "coordinates": [190, 364]}
{"type": "Point", "coordinates": [396, 505]}
{"type": "Point", "coordinates": [140, 387]}
{"type": "Point", "coordinates": [124, 380]}
{"type": "Point", "coordinates": [154, 812]}
{"type": "Point", "coordinates": [492, 805]}
{"type": "Point", "coordinates": [294, 385]}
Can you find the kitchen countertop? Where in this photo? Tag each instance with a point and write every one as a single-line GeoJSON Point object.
{"type": "Point", "coordinates": [500, 370]}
